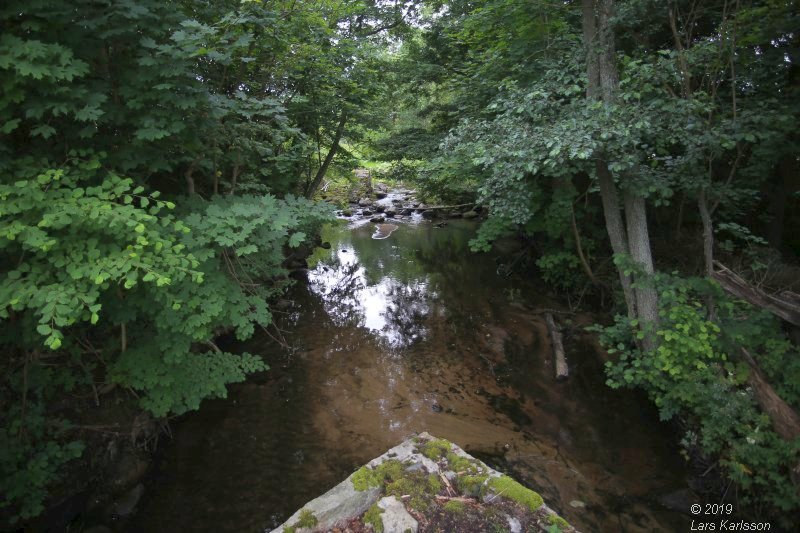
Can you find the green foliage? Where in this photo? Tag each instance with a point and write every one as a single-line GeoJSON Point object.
{"type": "Point", "coordinates": [560, 269]}
{"type": "Point", "coordinates": [104, 106]}
{"type": "Point", "coordinates": [30, 459]}
{"type": "Point", "coordinates": [693, 374]}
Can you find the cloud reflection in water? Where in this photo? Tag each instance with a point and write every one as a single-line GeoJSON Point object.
{"type": "Point", "coordinates": [393, 309]}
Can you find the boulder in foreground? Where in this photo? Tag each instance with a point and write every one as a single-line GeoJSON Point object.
{"type": "Point", "coordinates": [426, 484]}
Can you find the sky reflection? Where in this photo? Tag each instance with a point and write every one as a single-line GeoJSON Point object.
{"type": "Point", "coordinates": [360, 285]}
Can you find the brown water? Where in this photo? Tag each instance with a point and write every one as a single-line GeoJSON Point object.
{"type": "Point", "coordinates": [406, 334]}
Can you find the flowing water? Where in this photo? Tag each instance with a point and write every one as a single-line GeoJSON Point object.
{"type": "Point", "coordinates": [408, 333]}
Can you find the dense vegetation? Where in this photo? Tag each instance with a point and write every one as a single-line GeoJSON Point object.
{"type": "Point", "coordinates": [155, 161]}
{"type": "Point", "coordinates": [634, 144]}
{"type": "Point", "coordinates": [158, 161]}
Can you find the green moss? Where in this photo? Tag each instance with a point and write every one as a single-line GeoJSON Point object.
{"type": "Point", "coordinates": [455, 507]}
{"type": "Point", "coordinates": [508, 488]}
{"type": "Point", "coordinates": [366, 477]}
{"type": "Point", "coordinates": [558, 521]}
{"type": "Point", "coordinates": [435, 449]}
{"type": "Point", "coordinates": [418, 486]}
{"type": "Point", "coordinates": [471, 485]}
{"type": "Point", "coordinates": [461, 464]}
{"type": "Point", "coordinates": [307, 519]}
{"type": "Point", "coordinates": [373, 516]}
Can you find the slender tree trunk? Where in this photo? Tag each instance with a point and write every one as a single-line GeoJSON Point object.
{"type": "Point", "coordinates": [639, 246]}
{"type": "Point", "coordinates": [590, 45]}
{"type": "Point", "coordinates": [616, 230]}
{"type": "Point", "coordinates": [631, 238]}
{"type": "Point", "coordinates": [608, 189]}
{"type": "Point", "coordinates": [190, 189]}
{"type": "Point", "coordinates": [708, 248]}
{"type": "Point", "coordinates": [579, 248]}
{"type": "Point", "coordinates": [708, 234]}
{"type": "Point", "coordinates": [323, 169]}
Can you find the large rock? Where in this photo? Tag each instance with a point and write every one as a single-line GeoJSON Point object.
{"type": "Point", "coordinates": [336, 506]}
{"type": "Point", "coordinates": [395, 518]}
{"type": "Point", "coordinates": [379, 208]}
{"type": "Point", "coordinates": [429, 213]}
{"type": "Point", "coordinates": [365, 202]}
{"type": "Point", "coordinates": [377, 219]}
{"type": "Point", "coordinates": [390, 212]}
{"type": "Point", "coordinates": [380, 194]}
{"type": "Point", "coordinates": [470, 214]}
{"type": "Point", "coordinates": [420, 455]}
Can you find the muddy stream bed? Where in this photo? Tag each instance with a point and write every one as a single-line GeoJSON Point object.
{"type": "Point", "coordinates": [404, 334]}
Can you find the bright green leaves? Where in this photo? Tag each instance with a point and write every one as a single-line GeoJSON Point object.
{"type": "Point", "coordinates": [72, 245]}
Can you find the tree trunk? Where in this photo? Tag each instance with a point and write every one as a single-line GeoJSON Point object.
{"type": "Point", "coordinates": [708, 232]}
{"type": "Point", "coordinates": [708, 248]}
{"type": "Point", "coordinates": [784, 419]}
{"type": "Point", "coordinates": [639, 246]}
{"type": "Point", "coordinates": [314, 185]}
{"type": "Point", "coordinates": [633, 238]}
{"type": "Point", "coordinates": [190, 189]}
{"type": "Point", "coordinates": [616, 230]}
{"type": "Point", "coordinates": [590, 46]}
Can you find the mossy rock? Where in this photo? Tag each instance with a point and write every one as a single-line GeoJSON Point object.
{"type": "Point", "coordinates": [373, 516]}
{"type": "Point", "coordinates": [435, 449]}
{"type": "Point", "coordinates": [557, 521]}
{"type": "Point", "coordinates": [461, 464]}
{"type": "Point", "coordinates": [420, 487]}
{"type": "Point", "coordinates": [367, 478]}
{"type": "Point", "coordinates": [305, 520]}
{"type": "Point", "coordinates": [471, 485]}
{"type": "Point", "coordinates": [455, 507]}
{"type": "Point", "coordinates": [506, 487]}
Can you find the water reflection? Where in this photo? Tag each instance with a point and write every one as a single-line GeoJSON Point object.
{"type": "Point", "coordinates": [392, 308]}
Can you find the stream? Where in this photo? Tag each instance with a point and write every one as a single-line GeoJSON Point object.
{"type": "Point", "coordinates": [402, 334]}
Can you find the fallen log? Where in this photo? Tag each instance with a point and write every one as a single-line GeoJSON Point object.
{"type": "Point", "coordinates": [784, 419]}
{"type": "Point", "coordinates": [444, 206]}
{"type": "Point", "coordinates": [786, 305]}
{"type": "Point", "coordinates": [559, 359]}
